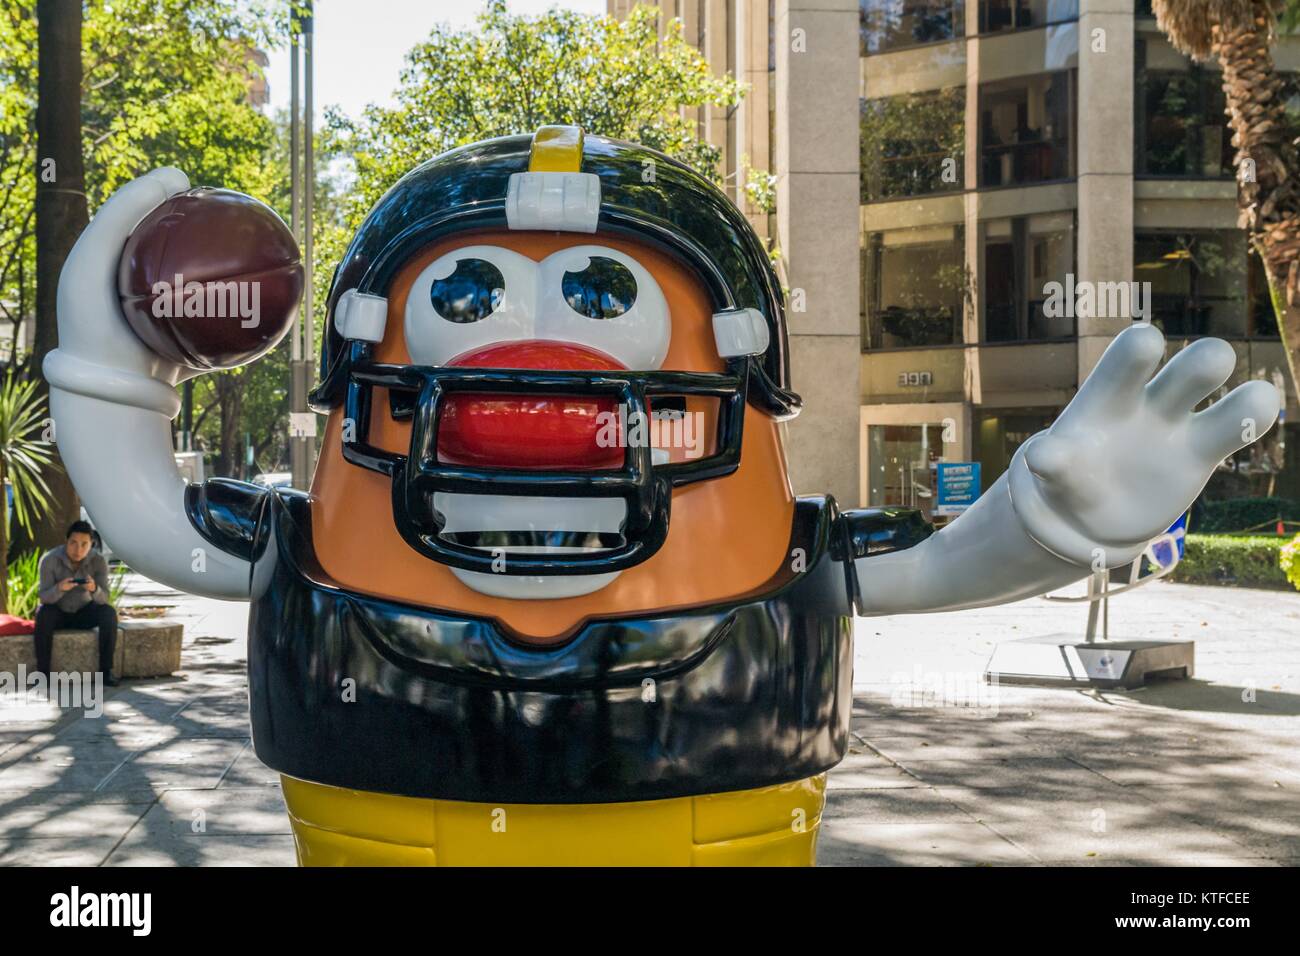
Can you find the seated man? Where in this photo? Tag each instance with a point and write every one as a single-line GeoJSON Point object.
{"type": "Point", "coordinates": [74, 594]}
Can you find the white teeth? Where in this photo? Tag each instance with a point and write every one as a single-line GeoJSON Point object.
{"type": "Point", "coordinates": [471, 513]}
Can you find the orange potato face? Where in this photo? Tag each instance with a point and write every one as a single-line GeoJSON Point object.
{"type": "Point", "coordinates": [726, 536]}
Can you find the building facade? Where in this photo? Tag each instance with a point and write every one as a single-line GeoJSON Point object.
{"type": "Point", "coordinates": [973, 198]}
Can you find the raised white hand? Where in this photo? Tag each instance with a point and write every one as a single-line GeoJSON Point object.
{"type": "Point", "coordinates": [92, 327]}
{"type": "Point", "coordinates": [1129, 455]}
{"type": "Point", "coordinates": [112, 398]}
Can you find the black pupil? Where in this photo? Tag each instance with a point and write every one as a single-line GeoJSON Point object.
{"type": "Point", "coordinates": [603, 290]}
{"type": "Point", "coordinates": [470, 293]}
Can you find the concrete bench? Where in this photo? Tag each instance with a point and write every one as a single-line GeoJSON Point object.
{"type": "Point", "coordinates": [144, 649]}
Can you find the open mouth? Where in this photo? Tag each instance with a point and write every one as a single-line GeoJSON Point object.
{"type": "Point", "coordinates": [531, 432]}
{"type": "Point", "coordinates": [508, 524]}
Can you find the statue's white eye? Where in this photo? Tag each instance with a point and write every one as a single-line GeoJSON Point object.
{"type": "Point", "coordinates": [605, 289]}
{"type": "Point", "coordinates": [469, 298]}
{"type": "Point", "coordinates": [471, 293]}
{"type": "Point", "coordinates": [600, 297]}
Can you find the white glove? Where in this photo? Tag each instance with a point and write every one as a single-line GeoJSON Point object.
{"type": "Point", "coordinates": [112, 400]}
{"type": "Point", "coordinates": [1117, 468]}
{"type": "Point", "coordinates": [1128, 455]}
{"type": "Point", "coordinates": [98, 354]}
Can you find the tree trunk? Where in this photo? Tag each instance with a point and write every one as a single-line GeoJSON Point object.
{"type": "Point", "coordinates": [229, 402]}
{"type": "Point", "coordinates": [1268, 172]}
{"type": "Point", "coordinates": [61, 213]}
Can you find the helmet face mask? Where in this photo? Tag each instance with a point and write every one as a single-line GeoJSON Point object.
{"type": "Point", "coordinates": [420, 476]}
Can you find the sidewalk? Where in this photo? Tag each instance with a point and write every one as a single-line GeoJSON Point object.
{"type": "Point", "coordinates": [941, 769]}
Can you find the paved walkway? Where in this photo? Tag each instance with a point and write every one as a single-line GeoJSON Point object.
{"type": "Point", "coordinates": [941, 770]}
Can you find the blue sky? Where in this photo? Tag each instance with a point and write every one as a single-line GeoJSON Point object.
{"type": "Point", "coordinates": [359, 44]}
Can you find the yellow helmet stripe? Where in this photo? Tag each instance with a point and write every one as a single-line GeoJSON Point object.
{"type": "Point", "coordinates": [556, 149]}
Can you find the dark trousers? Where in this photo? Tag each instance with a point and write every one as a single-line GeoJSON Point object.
{"type": "Point", "coordinates": [50, 618]}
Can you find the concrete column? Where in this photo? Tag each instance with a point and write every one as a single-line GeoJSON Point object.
{"type": "Point", "coordinates": [1104, 155]}
{"type": "Point", "coordinates": [817, 82]}
{"type": "Point", "coordinates": [973, 233]}
{"type": "Point", "coordinates": [715, 45]}
{"type": "Point", "coordinates": [751, 119]}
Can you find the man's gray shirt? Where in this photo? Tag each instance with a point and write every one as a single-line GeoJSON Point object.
{"type": "Point", "coordinates": [55, 566]}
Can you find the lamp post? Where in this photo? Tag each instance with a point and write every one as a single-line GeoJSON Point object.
{"type": "Point", "coordinates": [302, 424]}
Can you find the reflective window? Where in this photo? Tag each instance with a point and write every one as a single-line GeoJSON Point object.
{"type": "Point", "coordinates": [1200, 283]}
{"type": "Point", "coordinates": [1027, 262]}
{"type": "Point", "coordinates": [999, 432]}
{"type": "Point", "coordinates": [997, 15]}
{"type": "Point", "coordinates": [915, 285]}
{"type": "Point", "coordinates": [1181, 126]}
{"type": "Point", "coordinates": [901, 460]}
{"type": "Point", "coordinates": [891, 24]}
{"type": "Point", "coordinates": [913, 144]}
{"type": "Point", "coordinates": [1026, 127]}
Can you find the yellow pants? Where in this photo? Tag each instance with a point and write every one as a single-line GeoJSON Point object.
{"type": "Point", "coordinates": [771, 826]}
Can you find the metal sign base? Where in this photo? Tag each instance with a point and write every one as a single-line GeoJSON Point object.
{"type": "Point", "coordinates": [1066, 660]}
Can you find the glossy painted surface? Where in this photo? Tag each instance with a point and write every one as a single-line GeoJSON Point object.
{"type": "Point", "coordinates": [745, 516]}
{"type": "Point", "coordinates": [530, 431]}
{"type": "Point", "coordinates": [769, 826]}
{"type": "Point", "coordinates": [737, 695]}
{"type": "Point", "coordinates": [681, 213]}
{"type": "Point", "coordinates": [227, 512]}
{"type": "Point", "coordinates": [234, 254]}
{"type": "Point", "coordinates": [481, 293]}
{"type": "Point", "coordinates": [113, 398]}
{"type": "Point", "coordinates": [645, 488]}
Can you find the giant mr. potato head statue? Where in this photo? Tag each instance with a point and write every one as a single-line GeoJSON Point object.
{"type": "Point", "coordinates": [550, 598]}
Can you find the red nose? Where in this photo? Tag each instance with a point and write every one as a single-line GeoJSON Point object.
{"type": "Point", "coordinates": [523, 431]}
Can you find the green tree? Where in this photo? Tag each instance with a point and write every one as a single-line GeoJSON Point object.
{"type": "Point", "coordinates": [912, 144]}
{"type": "Point", "coordinates": [25, 458]}
{"type": "Point", "coordinates": [1240, 35]}
{"type": "Point", "coordinates": [513, 74]}
{"type": "Point", "coordinates": [162, 82]}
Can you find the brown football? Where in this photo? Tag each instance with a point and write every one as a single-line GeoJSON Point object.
{"type": "Point", "coordinates": [210, 279]}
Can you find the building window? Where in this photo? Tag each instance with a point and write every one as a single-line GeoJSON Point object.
{"type": "Point", "coordinates": [999, 15]}
{"type": "Point", "coordinates": [891, 24]}
{"type": "Point", "coordinates": [912, 144]}
{"type": "Point", "coordinates": [1000, 432]}
{"type": "Point", "coordinates": [1026, 264]}
{"type": "Point", "coordinates": [1181, 127]}
{"type": "Point", "coordinates": [1204, 282]}
{"type": "Point", "coordinates": [1026, 128]}
{"type": "Point", "coordinates": [901, 460]}
{"type": "Point", "coordinates": [916, 285]}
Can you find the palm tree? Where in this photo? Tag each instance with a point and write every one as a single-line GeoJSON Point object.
{"type": "Point", "coordinates": [24, 454]}
{"type": "Point", "coordinates": [1239, 34]}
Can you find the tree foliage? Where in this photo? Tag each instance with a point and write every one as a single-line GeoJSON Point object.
{"type": "Point", "coordinates": [513, 74]}
{"type": "Point", "coordinates": [165, 83]}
